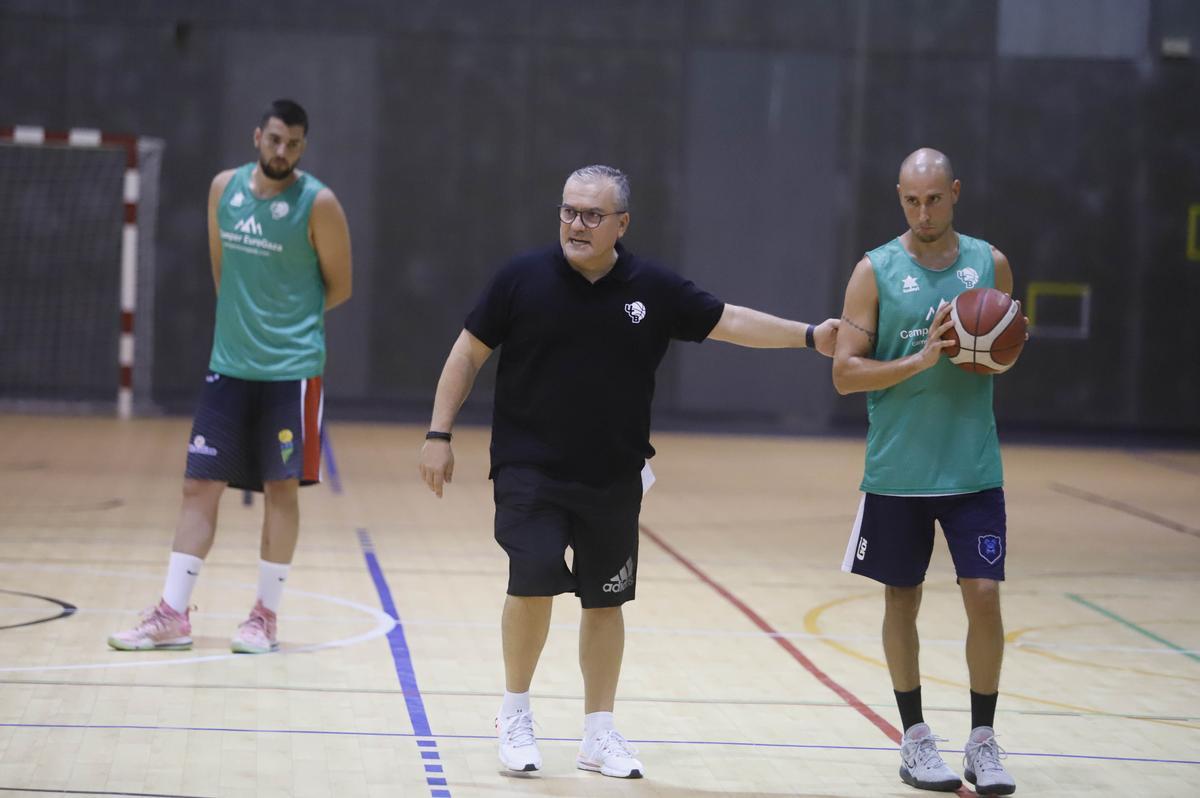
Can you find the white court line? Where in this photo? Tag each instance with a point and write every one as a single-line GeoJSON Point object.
{"type": "Point", "coordinates": [491, 625]}
{"type": "Point", "coordinates": [195, 614]}
{"type": "Point", "coordinates": [384, 623]}
{"type": "Point", "coordinates": [686, 632]}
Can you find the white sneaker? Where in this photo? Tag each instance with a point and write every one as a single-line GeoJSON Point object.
{"type": "Point", "coordinates": [922, 766]}
{"type": "Point", "coordinates": [518, 746]}
{"type": "Point", "coordinates": [609, 753]}
{"type": "Point", "coordinates": [981, 763]}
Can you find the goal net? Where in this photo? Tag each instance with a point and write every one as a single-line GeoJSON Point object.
{"type": "Point", "coordinates": [77, 218]}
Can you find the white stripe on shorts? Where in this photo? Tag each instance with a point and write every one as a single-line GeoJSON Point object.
{"type": "Point", "coordinates": [852, 546]}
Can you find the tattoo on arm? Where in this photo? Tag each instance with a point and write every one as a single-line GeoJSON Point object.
{"type": "Point", "coordinates": [869, 333]}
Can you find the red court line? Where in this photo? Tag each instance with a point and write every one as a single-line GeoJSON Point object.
{"type": "Point", "coordinates": [821, 676]}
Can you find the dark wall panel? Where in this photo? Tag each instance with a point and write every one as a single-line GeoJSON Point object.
{"type": "Point", "coordinates": [451, 174]}
{"type": "Point", "coordinates": [1064, 208]}
{"type": "Point", "coordinates": [766, 130]}
{"type": "Point", "coordinates": [758, 200]}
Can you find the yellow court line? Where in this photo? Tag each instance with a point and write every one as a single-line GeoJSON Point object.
{"type": "Point", "coordinates": [1193, 240]}
{"type": "Point", "coordinates": [1012, 637]}
{"type": "Point", "coordinates": [812, 625]}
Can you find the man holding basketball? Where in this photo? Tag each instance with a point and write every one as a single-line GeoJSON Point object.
{"type": "Point", "coordinates": [280, 251]}
{"type": "Point", "coordinates": [932, 455]}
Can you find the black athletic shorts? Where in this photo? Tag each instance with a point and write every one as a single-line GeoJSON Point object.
{"type": "Point", "coordinates": [538, 517]}
{"type": "Point", "coordinates": [892, 539]}
{"type": "Point", "coordinates": [247, 432]}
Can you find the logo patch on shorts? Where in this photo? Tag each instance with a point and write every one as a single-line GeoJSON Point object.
{"type": "Point", "coordinates": [285, 444]}
{"type": "Point", "coordinates": [862, 548]}
{"type": "Point", "coordinates": [199, 446]}
{"type": "Point", "coordinates": [990, 548]}
{"type": "Point", "coordinates": [622, 580]}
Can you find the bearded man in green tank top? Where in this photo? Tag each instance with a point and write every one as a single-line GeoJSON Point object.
{"type": "Point", "coordinates": [932, 455]}
{"type": "Point", "coordinates": [280, 251]}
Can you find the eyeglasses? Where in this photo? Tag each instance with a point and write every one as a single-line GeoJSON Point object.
{"type": "Point", "coordinates": [591, 219]}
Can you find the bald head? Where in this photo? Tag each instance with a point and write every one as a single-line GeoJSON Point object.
{"type": "Point", "coordinates": [928, 193]}
{"type": "Point", "coordinates": [927, 162]}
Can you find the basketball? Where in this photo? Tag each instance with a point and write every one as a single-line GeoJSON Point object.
{"type": "Point", "coordinates": [988, 331]}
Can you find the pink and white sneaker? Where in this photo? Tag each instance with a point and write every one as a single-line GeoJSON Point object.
{"type": "Point", "coordinates": [256, 635]}
{"type": "Point", "coordinates": [161, 628]}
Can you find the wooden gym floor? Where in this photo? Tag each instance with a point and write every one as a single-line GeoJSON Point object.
{"type": "Point", "coordinates": [752, 665]}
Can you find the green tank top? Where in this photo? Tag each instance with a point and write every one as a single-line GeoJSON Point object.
{"type": "Point", "coordinates": [934, 433]}
{"type": "Point", "coordinates": [271, 304]}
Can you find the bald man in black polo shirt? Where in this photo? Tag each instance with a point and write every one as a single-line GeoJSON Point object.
{"type": "Point", "coordinates": [583, 327]}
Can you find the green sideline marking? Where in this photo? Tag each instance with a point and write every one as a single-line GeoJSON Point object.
{"type": "Point", "coordinates": [1132, 625]}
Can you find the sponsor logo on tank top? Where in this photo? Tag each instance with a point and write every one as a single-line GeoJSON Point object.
{"type": "Point", "coordinates": [622, 580]}
{"type": "Point", "coordinates": [249, 226]}
{"type": "Point", "coordinates": [916, 336]}
{"type": "Point", "coordinates": [247, 236]}
{"type": "Point", "coordinates": [237, 200]}
{"type": "Point", "coordinates": [279, 209]}
{"type": "Point", "coordinates": [969, 276]}
{"type": "Point", "coordinates": [636, 311]}
{"type": "Point", "coordinates": [910, 284]}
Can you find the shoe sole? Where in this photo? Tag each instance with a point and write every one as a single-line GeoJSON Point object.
{"type": "Point", "coordinates": [242, 648]}
{"type": "Point", "coordinates": [632, 774]}
{"type": "Point", "coordinates": [998, 789]}
{"type": "Point", "coordinates": [529, 768]}
{"type": "Point", "coordinates": [122, 646]}
{"type": "Point", "coordinates": [935, 786]}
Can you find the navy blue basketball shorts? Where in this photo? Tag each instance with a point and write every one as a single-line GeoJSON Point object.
{"type": "Point", "coordinates": [892, 539]}
{"type": "Point", "coordinates": [247, 432]}
{"type": "Point", "coordinates": [538, 517]}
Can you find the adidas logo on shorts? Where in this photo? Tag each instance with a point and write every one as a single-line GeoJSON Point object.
{"type": "Point", "coordinates": [622, 580]}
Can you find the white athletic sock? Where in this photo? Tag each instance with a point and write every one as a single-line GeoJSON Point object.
{"type": "Point", "coordinates": [271, 578]}
{"type": "Point", "coordinates": [514, 703]}
{"type": "Point", "coordinates": [182, 571]}
{"type": "Point", "coordinates": [594, 722]}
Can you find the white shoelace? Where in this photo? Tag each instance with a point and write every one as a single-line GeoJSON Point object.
{"type": "Point", "coordinates": [517, 729]}
{"type": "Point", "coordinates": [611, 742]}
{"type": "Point", "coordinates": [927, 750]}
{"type": "Point", "coordinates": [986, 755]}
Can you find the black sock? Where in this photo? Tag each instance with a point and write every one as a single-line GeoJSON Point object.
{"type": "Point", "coordinates": [983, 709]}
{"type": "Point", "coordinates": [910, 708]}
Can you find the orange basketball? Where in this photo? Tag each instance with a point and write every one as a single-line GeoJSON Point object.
{"type": "Point", "coordinates": [988, 331]}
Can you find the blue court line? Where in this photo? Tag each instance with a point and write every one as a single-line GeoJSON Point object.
{"type": "Point", "coordinates": [335, 479]}
{"type": "Point", "coordinates": [490, 738]}
{"type": "Point", "coordinates": [1131, 625]}
{"type": "Point", "coordinates": [402, 659]}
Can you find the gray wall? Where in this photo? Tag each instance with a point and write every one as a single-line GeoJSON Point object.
{"type": "Point", "coordinates": [762, 137]}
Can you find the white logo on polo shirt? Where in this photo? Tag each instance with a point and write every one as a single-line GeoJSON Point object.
{"type": "Point", "coordinates": [636, 311]}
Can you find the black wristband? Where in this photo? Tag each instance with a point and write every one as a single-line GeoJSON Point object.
{"type": "Point", "coordinates": [434, 435]}
{"type": "Point", "coordinates": [809, 339]}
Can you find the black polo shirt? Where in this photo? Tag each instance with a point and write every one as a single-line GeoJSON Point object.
{"type": "Point", "coordinates": [577, 359]}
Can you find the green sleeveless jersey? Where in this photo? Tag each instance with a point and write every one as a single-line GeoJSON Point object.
{"type": "Point", "coordinates": [271, 302]}
{"type": "Point", "coordinates": [934, 433]}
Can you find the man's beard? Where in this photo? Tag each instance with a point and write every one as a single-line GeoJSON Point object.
{"type": "Point", "coordinates": [272, 172]}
